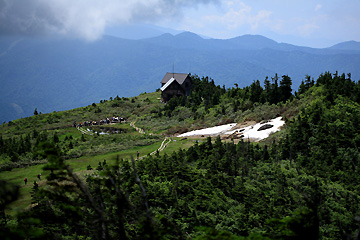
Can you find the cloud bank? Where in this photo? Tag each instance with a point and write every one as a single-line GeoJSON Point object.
{"type": "Point", "coordinates": [84, 18]}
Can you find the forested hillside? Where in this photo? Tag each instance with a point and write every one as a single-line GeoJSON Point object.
{"type": "Point", "coordinates": [300, 183]}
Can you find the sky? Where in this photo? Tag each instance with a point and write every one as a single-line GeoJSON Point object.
{"type": "Point", "coordinates": [313, 23]}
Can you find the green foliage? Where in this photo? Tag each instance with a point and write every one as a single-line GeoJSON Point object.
{"type": "Point", "coordinates": [285, 88]}
{"type": "Point", "coordinates": [300, 185]}
{"type": "Point", "coordinates": [236, 190]}
{"type": "Point", "coordinates": [304, 86]}
{"type": "Point", "coordinates": [303, 224]}
{"type": "Point", "coordinates": [18, 228]}
{"type": "Point", "coordinates": [213, 234]}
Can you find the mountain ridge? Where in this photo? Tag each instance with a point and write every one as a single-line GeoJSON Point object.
{"type": "Point", "coordinates": [247, 41]}
{"type": "Point", "coordinates": [348, 45]}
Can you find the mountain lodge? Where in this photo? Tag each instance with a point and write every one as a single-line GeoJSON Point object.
{"type": "Point", "coordinates": [175, 84]}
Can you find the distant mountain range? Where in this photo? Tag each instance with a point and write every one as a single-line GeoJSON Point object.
{"type": "Point", "coordinates": [53, 74]}
{"type": "Point", "coordinates": [138, 31]}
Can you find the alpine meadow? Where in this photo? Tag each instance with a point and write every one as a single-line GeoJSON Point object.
{"type": "Point", "coordinates": [116, 169]}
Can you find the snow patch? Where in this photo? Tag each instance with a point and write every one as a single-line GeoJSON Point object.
{"type": "Point", "coordinates": [209, 131]}
{"type": "Point", "coordinates": [250, 132]}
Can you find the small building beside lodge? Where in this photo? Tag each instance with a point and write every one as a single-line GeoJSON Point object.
{"type": "Point", "coordinates": [175, 84]}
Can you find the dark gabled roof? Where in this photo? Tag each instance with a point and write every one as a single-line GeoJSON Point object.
{"type": "Point", "coordinates": [168, 84]}
{"type": "Point", "coordinates": [180, 77]}
{"type": "Point", "coordinates": [172, 81]}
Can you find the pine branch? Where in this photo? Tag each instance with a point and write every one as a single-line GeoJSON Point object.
{"type": "Point", "coordinates": [86, 193]}
{"type": "Point", "coordinates": [143, 191]}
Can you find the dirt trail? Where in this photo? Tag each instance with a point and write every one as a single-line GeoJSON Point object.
{"type": "Point", "coordinates": [162, 146]}
{"type": "Point", "coordinates": [83, 131]}
{"type": "Point", "coordinates": [141, 131]}
{"type": "Point", "coordinates": [132, 124]}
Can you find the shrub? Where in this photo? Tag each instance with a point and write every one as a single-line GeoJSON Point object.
{"type": "Point", "coordinates": [176, 130]}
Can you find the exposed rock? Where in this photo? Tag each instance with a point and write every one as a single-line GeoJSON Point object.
{"type": "Point", "coordinates": [235, 135]}
{"type": "Point", "coordinates": [265, 126]}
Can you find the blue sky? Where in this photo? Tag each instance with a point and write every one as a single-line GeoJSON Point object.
{"type": "Point", "coordinates": [315, 23]}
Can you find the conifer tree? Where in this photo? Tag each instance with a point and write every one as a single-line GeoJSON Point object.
{"type": "Point", "coordinates": [285, 88]}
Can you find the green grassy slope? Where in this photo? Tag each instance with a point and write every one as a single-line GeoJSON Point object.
{"type": "Point", "coordinates": [88, 150]}
{"type": "Point", "coordinates": [145, 111]}
{"type": "Point", "coordinates": [301, 181]}
{"type": "Point", "coordinates": [80, 166]}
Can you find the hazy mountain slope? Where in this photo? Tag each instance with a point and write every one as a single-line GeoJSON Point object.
{"type": "Point", "coordinates": [349, 45]}
{"type": "Point", "coordinates": [138, 31]}
{"type": "Point", "coordinates": [56, 74]}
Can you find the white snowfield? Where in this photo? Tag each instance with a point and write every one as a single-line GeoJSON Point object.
{"type": "Point", "coordinates": [218, 130]}
{"type": "Point", "coordinates": [250, 132]}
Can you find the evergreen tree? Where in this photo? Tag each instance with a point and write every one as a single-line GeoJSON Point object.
{"type": "Point", "coordinates": [274, 90]}
{"type": "Point", "coordinates": [267, 90]}
{"type": "Point", "coordinates": [255, 91]}
{"type": "Point", "coordinates": [285, 88]}
{"type": "Point", "coordinates": [56, 138]}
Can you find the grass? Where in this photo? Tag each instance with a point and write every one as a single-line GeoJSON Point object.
{"type": "Point", "coordinates": [16, 176]}
{"type": "Point", "coordinates": [79, 165]}
{"type": "Point", "coordinates": [143, 110]}
{"type": "Point", "coordinates": [127, 108]}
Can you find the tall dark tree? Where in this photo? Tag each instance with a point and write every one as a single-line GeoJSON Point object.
{"type": "Point", "coordinates": [285, 88]}
{"type": "Point", "coordinates": [255, 91]}
{"type": "Point", "coordinates": [267, 90]}
{"type": "Point", "coordinates": [274, 90]}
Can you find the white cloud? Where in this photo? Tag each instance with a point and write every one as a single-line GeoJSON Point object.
{"type": "Point", "coordinates": [215, 18]}
{"type": "Point", "coordinates": [262, 17]}
{"type": "Point", "coordinates": [230, 18]}
{"type": "Point", "coordinates": [307, 29]}
{"type": "Point", "coordinates": [318, 7]}
{"type": "Point", "coordinates": [239, 14]}
{"type": "Point", "coordinates": [83, 18]}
